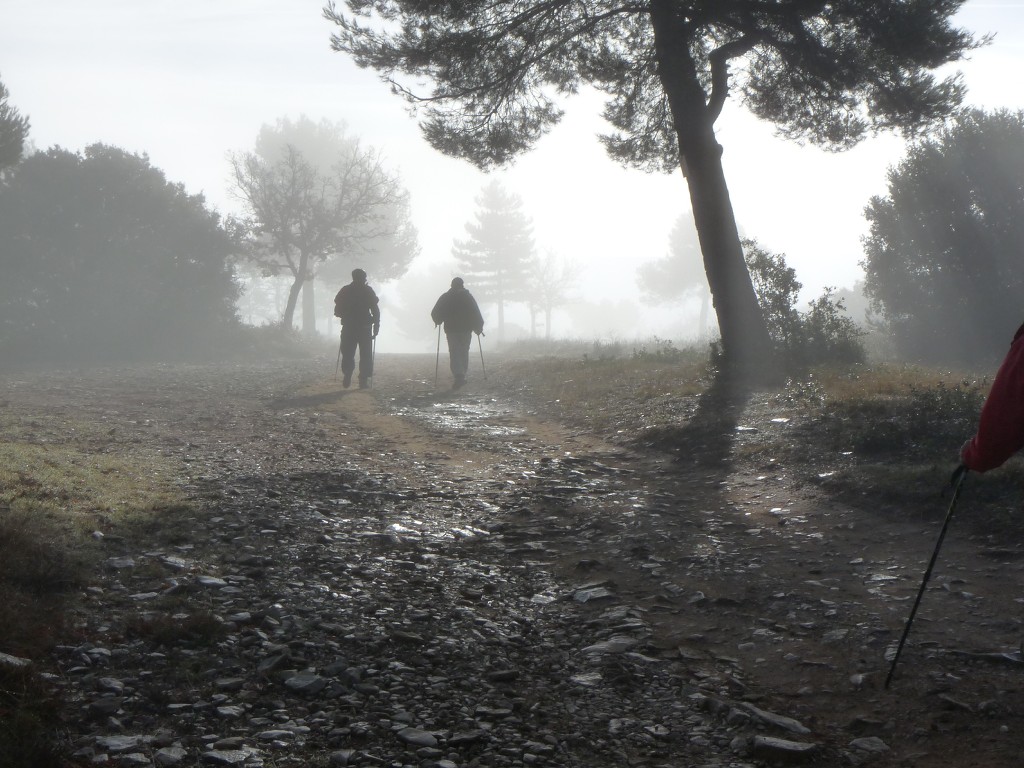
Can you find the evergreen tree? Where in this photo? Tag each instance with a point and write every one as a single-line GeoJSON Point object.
{"type": "Point", "coordinates": [497, 258]}
{"type": "Point", "coordinates": [13, 131]}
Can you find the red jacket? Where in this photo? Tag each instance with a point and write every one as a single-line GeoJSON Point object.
{"type": "Point", "coordinates": [1001, 426]}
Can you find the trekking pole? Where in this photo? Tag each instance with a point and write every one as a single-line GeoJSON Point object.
{"type": "Point", "coordinates": [958, 481]}
{"type": "Point", "coordinates": [437, 362]}
{"type": "Point", "coordinates": [337, 364]}
{"type": "Point", "coordinates": [481, 347]}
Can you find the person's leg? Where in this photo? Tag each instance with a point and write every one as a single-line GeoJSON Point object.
{"type": "Point", "coordinates": [349, 342]}
{"type": "Point", "coordinates": [365, 358]}
{"type": "Point", "coordinates": [458, 352]}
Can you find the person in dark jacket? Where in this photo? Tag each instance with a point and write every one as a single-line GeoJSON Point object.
{"type": "Point", "coordinates": [1001, 425]}
{"type": "Point", "coordinates": [357, 306]}
{"type": "Point", "coordinates": [460, 314]}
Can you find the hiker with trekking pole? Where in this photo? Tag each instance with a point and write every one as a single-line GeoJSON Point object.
{"type": "Point", "coordinates": [458, 311]}
{"type": "Point", "coordinates": [358, 308]}
{"type": "Point", "coordinates": [1000, 435]}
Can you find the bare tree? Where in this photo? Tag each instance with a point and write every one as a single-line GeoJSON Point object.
{"type": "Point", "coordinates": [550, 287]}
{"type": "Point", "coordinates": [308, 206]}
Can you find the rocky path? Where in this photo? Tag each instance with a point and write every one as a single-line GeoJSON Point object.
{"type": "Point", "coordinates": [404, 577]}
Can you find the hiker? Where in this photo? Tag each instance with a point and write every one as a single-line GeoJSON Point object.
{"type": "Point", "coordinates": [357, 306]}
{"type": "Point", "coordinates": [458, 310]}
{"type": "Point", "coordinates": [1001, 425]}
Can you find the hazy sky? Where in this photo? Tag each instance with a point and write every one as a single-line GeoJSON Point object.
{"type": "Point", "coordinates": [187, 81]}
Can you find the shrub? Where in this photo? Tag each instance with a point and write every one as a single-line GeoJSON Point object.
{"type": "Point", "coordinates": [821, 335]}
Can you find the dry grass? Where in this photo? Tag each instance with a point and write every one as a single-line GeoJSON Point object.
{"type": "Point", "coordinates": [87, 488]}
{"type": "Point", "coordinates": [59, 481]}
{"type": "Point", "coordinates": [878, 436]}
{"type": "Point", "coordinates": [881, 380]}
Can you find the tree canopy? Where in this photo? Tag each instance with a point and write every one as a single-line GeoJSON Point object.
{"type": "Point", "coordinates": [943, 253]}
{"type": "Point", "coordinates": [103, 258]}
{"type": "Point", "coordinates": [314, 195]}
{"type": "Point", "coordinates": [491, 78]}
{"type": "Point", "coordinates": [498, 256]}
{"type": "Point", "coordinates": [13, 131]}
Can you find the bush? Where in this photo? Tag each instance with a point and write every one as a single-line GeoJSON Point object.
{"type": "Point", "coordinates": [821, 335]}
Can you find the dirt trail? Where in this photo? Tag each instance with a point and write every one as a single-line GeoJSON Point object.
{"type": "Point", "coordinates": [804, 598]}
{"type": "Point", "coordinates": [757, 589]}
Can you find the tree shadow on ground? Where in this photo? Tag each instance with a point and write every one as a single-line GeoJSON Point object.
{"type": "Point", "coordinates": [707, 439]}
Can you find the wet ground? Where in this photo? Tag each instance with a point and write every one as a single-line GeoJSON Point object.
{"type": "Point", "coordinates": [411, 576]}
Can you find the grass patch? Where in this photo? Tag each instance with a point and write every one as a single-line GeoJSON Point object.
{"type": "Point", "coordinates": [881, 438]}
{"type": "Point", "coordinates": [60, 479]}
{"type": "Point", "coordinates": [600, 391]}
{"type": "Point", "coordinates": [87, 488]}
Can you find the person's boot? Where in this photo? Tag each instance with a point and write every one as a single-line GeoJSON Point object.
{"type": "Point", "coordinates": [347, 381]}
{"type": "Point", "coordinates": [459, 381]}
{"type": "Point", "coordinates": [363, 383]}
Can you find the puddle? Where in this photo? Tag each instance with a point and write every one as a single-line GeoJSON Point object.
{"type": "Point", "coordinates": [479, 417]}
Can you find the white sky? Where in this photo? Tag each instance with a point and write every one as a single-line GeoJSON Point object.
{"type": "Point", "coordinates": [187, 81]}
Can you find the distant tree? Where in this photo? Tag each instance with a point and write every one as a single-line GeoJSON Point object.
{"type": "Point", "coordinates": [550, 286]}
{"type": "Point", "coordinates": [262, 297]}
{"type": "Point", "coordinates": [856, 303]}
{"type": "Point", "coordinates": [492, 75]}
{"type": "Point", "coordinates": [822, 334]}
{"type": "Point", "coordinates": [943, 254]}
{"type": "Point", "coordinates": [13, 131]}
{"type": "Point", "coordinates": [314, 194]}
{"type": "Point", "coordinates": [411, 297]}
{"type": "Point", "coordinates": [680, 273]}
{"type": "Point", "coordinates": [103, 258]}
{"type": "Point", "coordinates": [498, 254]}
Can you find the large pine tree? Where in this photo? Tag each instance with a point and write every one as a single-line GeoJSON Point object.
{"type": "Point", "coordinates": [490, 78]}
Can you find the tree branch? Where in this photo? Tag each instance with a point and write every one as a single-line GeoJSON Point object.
{"type": "Point", "coordinates": [719, 59]}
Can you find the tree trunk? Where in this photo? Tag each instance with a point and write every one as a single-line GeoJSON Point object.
{"type": "Point", "coordinates": [746, 345]}
{"type": "Point", "coordinates": [288, 318]}
{"type": "Point", "coordinates": [547, 323]}
{"type": "Point", "coordinates": [745, 340]}
{"type": "Point", "coordinates": [308, 309]}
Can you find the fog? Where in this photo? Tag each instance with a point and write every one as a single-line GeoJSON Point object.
{"type": "Point", "coordinates": [188, 83]}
